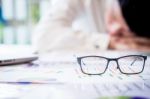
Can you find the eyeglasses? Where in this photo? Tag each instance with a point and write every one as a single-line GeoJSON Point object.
{"type": "Point", "coordinates": [97, 65]}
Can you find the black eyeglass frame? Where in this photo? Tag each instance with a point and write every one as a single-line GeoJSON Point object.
{"type": "Point", "coordinates": [108, 61]}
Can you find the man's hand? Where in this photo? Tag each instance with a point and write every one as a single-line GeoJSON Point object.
{"type": "Point", "coordinates": [114, 20]}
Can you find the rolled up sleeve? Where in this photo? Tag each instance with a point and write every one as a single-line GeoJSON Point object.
{"type": "Point", "coordinates": [54, 31]}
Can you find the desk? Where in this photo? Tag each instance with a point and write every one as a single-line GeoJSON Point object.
{"type": "Point", "coordinates": [58, 76]}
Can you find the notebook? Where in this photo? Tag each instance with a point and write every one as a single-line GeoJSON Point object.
{"type": "Point", "coordinates": [11, 59]}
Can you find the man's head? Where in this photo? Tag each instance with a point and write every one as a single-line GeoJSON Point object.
{"type": "Point", "coordinates": [135, 13]}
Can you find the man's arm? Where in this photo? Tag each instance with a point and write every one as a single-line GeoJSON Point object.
{"type": "Point", "coordinates": [132, 43]}
{"type": "Point", "coordinates": [55, 32]}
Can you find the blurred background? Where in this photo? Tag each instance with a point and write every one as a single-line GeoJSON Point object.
{"type": "Point", "coordinates": [18, 19]}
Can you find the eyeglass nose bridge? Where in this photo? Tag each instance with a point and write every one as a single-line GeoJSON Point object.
{"type": "Point", "coordinates": [113, 59]}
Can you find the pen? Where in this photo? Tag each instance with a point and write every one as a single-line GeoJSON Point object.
{"type": "Point", "coordinates": [22, 82]}
{"type": "Point", "coordinates": [30, 82]}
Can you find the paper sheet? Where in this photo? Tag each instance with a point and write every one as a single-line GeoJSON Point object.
{"type": "Point", "coordinates": [63, 73]}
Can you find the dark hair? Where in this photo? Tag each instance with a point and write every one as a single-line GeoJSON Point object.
{"type": "Point", "coordinates": [136, 15]}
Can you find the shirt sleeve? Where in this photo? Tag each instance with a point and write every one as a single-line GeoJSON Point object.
{"type": "Point", "coordinates": [54, 31]}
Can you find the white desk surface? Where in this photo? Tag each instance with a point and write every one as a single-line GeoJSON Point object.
{"type": "Point", "coordinates": [58, 76]}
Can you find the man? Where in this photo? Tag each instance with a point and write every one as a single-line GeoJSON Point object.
{"type": "Point", "coordinates": [80, 25]}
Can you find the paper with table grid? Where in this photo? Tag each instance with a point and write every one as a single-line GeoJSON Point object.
{"type": "Point", "coordinates": [55, 69]}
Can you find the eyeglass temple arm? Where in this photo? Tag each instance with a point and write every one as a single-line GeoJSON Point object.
{"type": "Point", "coordinates": [134, 61]}
{"type": "Point", "coordinates": [83, 62]}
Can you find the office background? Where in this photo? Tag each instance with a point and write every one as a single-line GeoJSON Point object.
{"type": "Point", "coordinates": [18, 19]}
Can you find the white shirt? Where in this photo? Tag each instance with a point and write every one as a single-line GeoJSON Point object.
{"type": "Point", "coordinates": [72, 25]}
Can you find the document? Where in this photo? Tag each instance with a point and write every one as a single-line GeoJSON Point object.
{"type": "Point", "coordinates": [60, 73]}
